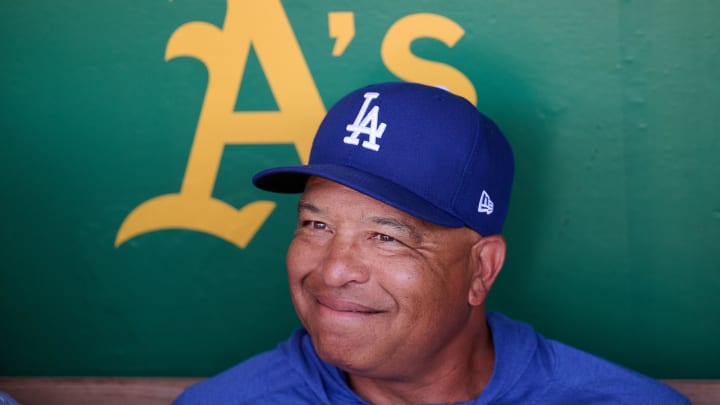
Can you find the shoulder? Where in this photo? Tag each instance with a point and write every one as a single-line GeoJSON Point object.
{"type": "Point", "coordinates": [579, 374]}
{"type": "Point", "coordinates": [528, 365]}
{"type": "Point", "coordinates": [269, 377]}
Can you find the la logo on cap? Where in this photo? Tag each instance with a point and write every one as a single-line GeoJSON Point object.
{"type": "Point", "coordinates": [366, 122]}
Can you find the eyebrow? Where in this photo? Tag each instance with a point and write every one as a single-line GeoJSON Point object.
{"type": "Point", "coordinates": [396, 223]}
{"type": "Point", "coordinates": [399, 225]}
{"type": "Point", "coordinates": [306, 206]}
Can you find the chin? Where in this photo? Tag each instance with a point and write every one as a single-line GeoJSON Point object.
{"type": "Point", "coordinates": [342, 353]}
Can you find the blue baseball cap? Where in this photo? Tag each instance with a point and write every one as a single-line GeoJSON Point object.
{"type": "Point", "coordinates": [420, 149]}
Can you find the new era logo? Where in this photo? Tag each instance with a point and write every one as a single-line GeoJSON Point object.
{"type": "Point", "coordinates": [366, 122]}
{"type": "Point", "coordinates": [486, 205]}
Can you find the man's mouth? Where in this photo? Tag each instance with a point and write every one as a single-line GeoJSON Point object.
{"type": "Point", "coordinates": [346, 306]}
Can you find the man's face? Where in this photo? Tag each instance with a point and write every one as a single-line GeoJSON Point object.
{"type": "Point", "coordinates": [379, 291]}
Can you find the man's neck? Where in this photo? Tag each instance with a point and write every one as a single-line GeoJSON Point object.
{"type": "Point", "coordinates": [454, 379]}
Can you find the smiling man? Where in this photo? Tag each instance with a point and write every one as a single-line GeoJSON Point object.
{"type": "Point", "coordinates": [397, 245]}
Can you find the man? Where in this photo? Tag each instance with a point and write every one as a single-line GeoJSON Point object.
{"type": "Point", "coordinates": [397, 246]}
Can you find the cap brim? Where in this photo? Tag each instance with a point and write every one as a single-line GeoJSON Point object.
{"type": "Point", "coordinates": [292, 179]}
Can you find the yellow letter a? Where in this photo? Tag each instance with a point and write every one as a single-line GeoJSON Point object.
{"type": "Point", "coordinates": [265, 26]}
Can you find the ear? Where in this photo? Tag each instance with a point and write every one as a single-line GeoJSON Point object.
{"type": "Point", "coordinates": [488, 256]}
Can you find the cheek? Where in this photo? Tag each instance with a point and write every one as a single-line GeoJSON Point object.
{"type": "Point", "coordinates": [297, 270]}
{"type": "Point", "coordinates": [424, 292]}
{"type": "Point", "coordinates": [411, 285]}
{"type": "Point", "coordinates": [296, 260]}
{"type": "Point", "coordinates": [406, 282]}
{"type": "Point", "coordinates": [302, 260]}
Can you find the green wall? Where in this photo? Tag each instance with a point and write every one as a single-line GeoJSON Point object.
{"type": "Point", "coordinates": [611, 106]}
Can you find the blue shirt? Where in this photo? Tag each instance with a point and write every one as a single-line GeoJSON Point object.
{"type": "Point", "coordinates": [529, 369]}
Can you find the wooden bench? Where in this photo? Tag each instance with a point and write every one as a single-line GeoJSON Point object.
{"type": "Point", "coordinates": [161, 391]}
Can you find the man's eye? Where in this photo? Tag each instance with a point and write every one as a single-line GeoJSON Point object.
{"type": "Point", "coordinates": [314, 224]}
{"type": "Point", "coordinates": [384, 238]}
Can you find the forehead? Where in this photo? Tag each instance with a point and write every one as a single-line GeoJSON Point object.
{"type": "Point", "coordinates": [323, 191]}
{"type": "Point", "coordinates": [326, 196]}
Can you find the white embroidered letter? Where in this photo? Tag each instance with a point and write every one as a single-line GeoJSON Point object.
{"type": "Point", "coordinates": [366, 123]}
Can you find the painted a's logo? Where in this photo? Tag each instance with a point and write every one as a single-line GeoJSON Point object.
{"type": "Point", "coordinates": [366, 122]}
{"type": "Point", "coordinates": [264, 27]}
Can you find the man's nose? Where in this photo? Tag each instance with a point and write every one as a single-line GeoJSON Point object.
{"type": "Point", "coordinates": [343, 263]}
